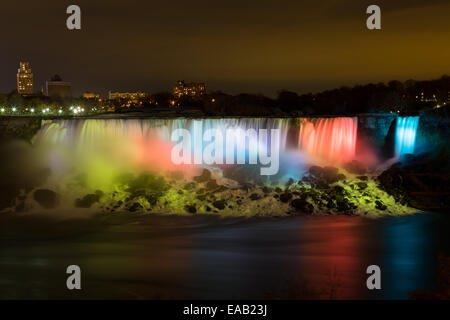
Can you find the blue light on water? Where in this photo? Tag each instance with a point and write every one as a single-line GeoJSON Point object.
{"type": "Point", "coordinates": [405, 135]}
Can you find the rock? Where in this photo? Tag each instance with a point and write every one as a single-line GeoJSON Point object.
{"type": "Point", "coordinates": [211, 185]}
{"type": "Point", "coordinates": [267, 189]}
{"type": "Point", "coordinates": [204, 177]}
{"type": "Point", "coordinates": [189, 186]}
{"type": "Point", "coordinates": [176, 175]}
{"type": "Point", "coordinates": [254, 196]}
{"type": "Point", "coordinates": [362, 185]}
{"type": "Point", "coordinates": [290, 182]}
{"type": "Point", "coordinates": [285, 197]}
{"type": "Point", "coordinates": [149, 186]}
{"type": "Point", "coordinates": [380, 205]}
{"type": "Point", "coordinates": [316, 171]}
{"type": "Point", "coordinates": [337, 191]}
{"type": "Point", "coordinates": [328, 170]}
{"type": "Point", "coordinates": [302, 205]}
{"type": "Point", "coordinates": [331, 204]}
{"type": "Point", "coordinates": [219, 204]}
{"type": "Point", "coordinates": [87, 201]}
{"type": "Point", "coordinates": [247, 186]}
{"type": "Point", "coordinates": [343, 204]}
{"type": "Point", "coordinates": [355, 167]}
{"type": "Point", "coordinates": [135, 207]}
{"type": "Point", "coordinates": [278, 190]}
{"type": "Point", "coordinates": [191, 208]}
{"type": "Point", "coordinates": [48, 199]}
{"type": "Point", "coordinates": [201, 197]}
{"type": "Point", "coordinates": [363, 178]}
{"type": "Point", "coordinates": [322, 177]}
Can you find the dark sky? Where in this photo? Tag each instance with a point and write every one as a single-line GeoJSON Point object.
{"type": "Point", "coordinates": [257, 46]}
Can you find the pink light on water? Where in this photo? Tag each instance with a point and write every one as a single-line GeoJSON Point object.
{"type": "Point", "coordinates": [329, 138]}
{"type": "Point", "coordinates": [155, 154]}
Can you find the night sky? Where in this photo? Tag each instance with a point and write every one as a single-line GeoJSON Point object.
{"type": "Point", "coordinates": [256, 46]}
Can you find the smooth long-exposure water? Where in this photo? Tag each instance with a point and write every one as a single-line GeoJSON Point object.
{"type": "Point", "coordinates": [131, 256]}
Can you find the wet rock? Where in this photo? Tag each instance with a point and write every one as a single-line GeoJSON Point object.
{"type": "Point", "coordinates": [219, 204]}
{"type": "Point", "coordinates": [316, 171]}
{"type": "Point", "coordinates": [330, 204]}
{"type": "Point", "coordinates": [355, 167]}
{"type": "Point", "coordinates": [211, 185]}
{"type": "Point", "coordinates": [254, 196]}
{"type": "Point", "coordinates": [135, 207]}
{"type": "Point", "coordinates": [266, 189]}
{"type": "Point", "coordinates": [338, 190]}
{"type": "Point", "coordinates": [247, 186]}
{"type": "Point", "coordinates": [328, 170]}
{"type": "Point", "coordinates": [87, 201]}
{"type": "Point", "coordinates": [343, 204]}
{"type": "Point", "coordinates": [380, 205]}
{"type": "Point", "coordinates": [285, 197]}
{"type": "Point", "coordinates": [189, 186]}
{"type": "Point", "coordinates": [204, 177]}
{"type": "Point", "coordinates": [302, 205]}
{"type": "Point", "coordinates": [190, 208]}
{"type": "Point", "coordinates": [176, 175]}
{"type": "Point", "coordinates": [322, 177]}
{"type": "Point", "coordinates": [201, 197]}
{"type": "Point", "coordinates": [149, 186]}
{"type": "Point", "coordinates": [290, 182]}
{"type": "Point", "coordinates": [362, 185]}
{"type": "Point", "coordinates": [48, 199]}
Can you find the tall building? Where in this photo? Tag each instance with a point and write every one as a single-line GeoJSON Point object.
{"type": "Point", "coordinates": [24, 79]}
{"type": "Point", "coordinates": [192, 89]}
{"type": "Point", "coordinates": [58, 88]}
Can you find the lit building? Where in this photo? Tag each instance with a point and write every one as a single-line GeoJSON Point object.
{"type": "Point", "coordinates": [133, 96]}
{"type": "Point", "coordinates": [188, 89]}
{"type": "Point", "coordinates": [91, 96]}
{"type": "Point", "coordinates": [24, 79]}
{"type": "Point", "coordinates": [128, 99]}
{"type": "Point", "coordinates": [58, 88]}
{"type": "Point", "coordinates": [426, 98]}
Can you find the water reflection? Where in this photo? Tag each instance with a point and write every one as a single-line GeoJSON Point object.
{"type": "Point", "coordinates": [145, 257]}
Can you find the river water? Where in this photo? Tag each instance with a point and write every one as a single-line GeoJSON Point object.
{"type": "Point", "coordinates": [127, 256]}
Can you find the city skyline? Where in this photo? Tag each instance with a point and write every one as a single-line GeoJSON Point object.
{"type": "Point", "coordinates": [271, 46]}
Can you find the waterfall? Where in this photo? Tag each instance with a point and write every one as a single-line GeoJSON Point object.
{"type": "Point", "coordinates": [103, 148]}
{"type": "Point", "coordinates": [331, 138]}
{"type": "Point", "coordinates": [405, 135]}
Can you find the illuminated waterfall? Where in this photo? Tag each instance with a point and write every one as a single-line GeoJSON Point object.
{"type": "Point", "coordinates": [405, 135]}
{"type": "Point", "coordinates": [104, 148]}
{"type": "Point", "coordinates": [329, 138]}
